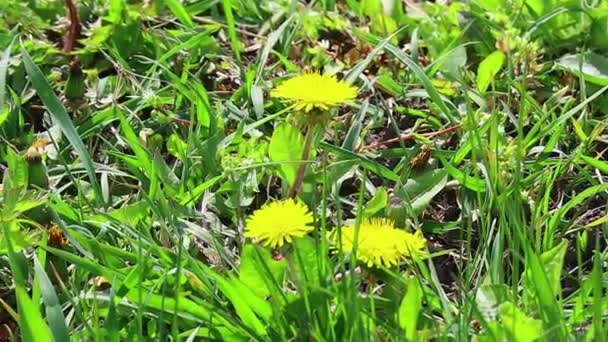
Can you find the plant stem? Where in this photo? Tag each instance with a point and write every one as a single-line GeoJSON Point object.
{"type": "Point", "coordinates": [74, 30]}
{"type": "Point", "coordinates": [293, 191]}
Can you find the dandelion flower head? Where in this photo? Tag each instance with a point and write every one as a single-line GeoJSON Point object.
{"type": "Point", "coordinates": [380, 243]}
{"type": "Point", "coordinates": [313, 90]}
{"type": "Point", "coordinates": [279, 222]}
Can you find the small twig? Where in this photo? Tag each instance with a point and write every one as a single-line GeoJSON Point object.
{"type": "Point", "coordinates": [405, 137]}
{"type": "Point", "coordinates": [74, 29]}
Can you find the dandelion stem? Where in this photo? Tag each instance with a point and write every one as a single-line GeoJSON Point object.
{"type": "Point", "coordinates": [293, 191]}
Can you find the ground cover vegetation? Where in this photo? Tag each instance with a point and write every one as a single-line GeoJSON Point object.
{"type": "Point", "coordinates": [284, 170]}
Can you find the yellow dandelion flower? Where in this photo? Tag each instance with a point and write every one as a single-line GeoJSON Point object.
{"type": "Point", "coordinates": [415, 245]}
{"type": "Point", "coordinates": [381, 244]}
{"type": "Point", "coordinates": [279, 222]}
{"type": "Point", "coordinates": [313, 90]}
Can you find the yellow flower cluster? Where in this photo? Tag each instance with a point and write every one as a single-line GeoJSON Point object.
{"type": "Point", "coordinates": [312, 90]}
{"type": "Point", "coordinates": [378, 244]}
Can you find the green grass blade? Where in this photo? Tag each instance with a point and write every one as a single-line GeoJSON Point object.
{"type": "Point", "coordinates": [54, 313]}
{"type": "Point", "coordinates": [419, 73]}
{"type": "Point", "coordinates": [365, 162]}
{"type": "Point", "coordinates": [61, 118]}
{"type": "Point", "coordinates": [30, 320]}
{"type": "Point", "coordinates": [180, 12]}
{"type": "Point", "coordinates": [234, 39]}
{"type": "Point", "coordinates": [31, 323]}
{"type": "Point", "coordinates": [3, 71]}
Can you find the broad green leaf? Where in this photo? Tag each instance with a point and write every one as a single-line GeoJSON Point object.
{"type": "Point", "coordinates": [31, 322]}
{"type": "Point", "coordinates": [86, 263]}
{"type": "Point", "coordinates": [245, 296]}
{"type": "Point", "coordinates": [495, 332]}
{"type": "Point", "coordinates": [4, 115]}
{"type": "Point", "coordinates": [177, 147]}
{"type": "Point", "coordinates": [131, 280]}
{"type": "Point", "coordinates": [454, 60]}
{"type": "Point", "coordinates": [488, 299]}
{"type": "Point", "coordinates": [18, 238]}
{"type": "Point", "coordinates": [552, 262]}
{"type": "Point", "coordinates": [419, 190]}
{"type": "Point", "coordinates": [488, 69]}
{"type": "Point", "coordinates": [17, 170]}
{"type": "Point", "coordinates": [376, 203]}
{"type": "Point", "coordinates": [539, 291]}
{"type": "Point", "coordinates": [389, 85]}
{"type": "Point", "coordinates": [383, 25]}
{"type": "Point", "coordinates": [115, 11]}
{"type": "Point", "coordinates": [183, 306]}
{"type": "Point", "coordinates": [599, 27]}
{"type": "Point", "coordinates": [594, 67]}
{"type": "Point", "coordinates": [130, 214]}
{"type": "Point", "coordinates": [306, 262]}
{"type": "Point", "coordinates": [26, 204]}
{"type": "Point", "coordinates": [286, 147]}
{"type": "Point", "coordinates": [410, 308]}
{"type": "Point", "coordinates": [260, 271]}
{"type": "Point", "coordinates": [518, 326]}
{"type": "Point", "coordinates": [245, 302]}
